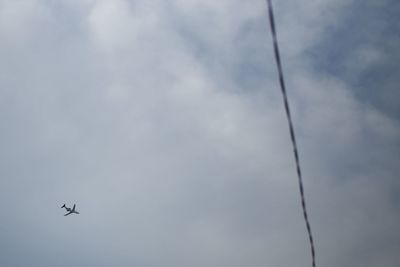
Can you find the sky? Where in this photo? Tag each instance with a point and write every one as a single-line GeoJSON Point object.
{"type": "Point", "coordinates": [164, 122]}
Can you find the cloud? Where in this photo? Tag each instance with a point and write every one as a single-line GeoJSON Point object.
{"type": "Point", "coordinates": [164, 122]}
{"type": "Point", "coordinates": [366, 56]}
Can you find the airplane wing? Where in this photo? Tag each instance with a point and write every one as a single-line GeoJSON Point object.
{"type": "Point", "coordinates": [68, 213]}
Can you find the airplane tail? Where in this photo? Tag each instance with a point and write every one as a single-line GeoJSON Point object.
{"type": "Point", "coordinates": [63, 206]}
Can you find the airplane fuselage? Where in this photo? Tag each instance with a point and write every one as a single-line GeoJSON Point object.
{"type": "Point", "coordinates": [69, 210]}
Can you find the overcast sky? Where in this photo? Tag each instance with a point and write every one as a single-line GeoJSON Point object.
{"type": "Point", "coordinates": [163, 121]}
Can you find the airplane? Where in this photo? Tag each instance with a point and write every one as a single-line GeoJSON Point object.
{"type": "Point", "coordinates": [70, 210]}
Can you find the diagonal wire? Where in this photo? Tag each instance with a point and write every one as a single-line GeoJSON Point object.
{"type": "Point", "coordinates": [291, 129]}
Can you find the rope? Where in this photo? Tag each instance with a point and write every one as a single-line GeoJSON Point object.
{"type": "Point", "coordinates": [291, 129]}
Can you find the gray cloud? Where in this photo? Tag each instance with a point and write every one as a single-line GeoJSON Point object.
{"type": "Point", "coordinates": [164, 123]}
{"type": "Point", "coordinates": [362, 50]}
